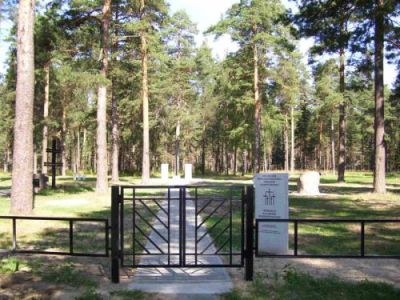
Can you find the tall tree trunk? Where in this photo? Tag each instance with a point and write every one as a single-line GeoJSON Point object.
{"type": "Point", "coordinates": [6, 159]}
{"type": "Point", "coordinates": [292, 139]}
{"type": "Point", "coordinates": [235, 161]}
{"type": "Point", "coordinates": [64, 142]}
{"type": "Point", "coordinates": [78, 150]}
{"type": "Point", "coordinates": [333, 155]}
{"type": "Point", "coordinates": [101, 141]}
{"type": "Point", "coordinates": [114, 115]}
{"type": "Point", "coordinates": [114, 138]}
{"type": "Point", "coordinates": [145, 99]}
{"type": "Point", "coordinates": [45, 115]}
{"type": "Point", "coordinates": [342, 117]}
{"type": "Point", "coordinates": [380, 156]}
{"type": "Point", "coordinates": [35, 161]}
{"type": "Point", "coordinates": [286, 143]}
{"type": "Point", "coordinates": [177, 154]}
{"type": "Point", "coordinates": [84, 150]}
{"type": "Point", "coordinates": [203, 156]}
{"type": "Point", "coordinates": [22, 175]}
{"type": "Point", "coordinates": [226, 160]}
{"type": "Point", "coordinates": [257, 113]}
{"type": "Point", "coordinates": [244, 162]}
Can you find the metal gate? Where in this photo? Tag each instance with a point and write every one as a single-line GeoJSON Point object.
{"type": "Point", "coordinates": [179, 226]}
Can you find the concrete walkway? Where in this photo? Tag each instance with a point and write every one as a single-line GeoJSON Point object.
{"type": "Point", "coordinates": [201, 281]}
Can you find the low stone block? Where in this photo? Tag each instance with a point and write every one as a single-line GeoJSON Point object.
{"type": "Point", "coordinates": [308, 183]}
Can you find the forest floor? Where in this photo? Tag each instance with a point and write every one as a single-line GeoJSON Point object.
{"type": "Point", "coordinates": [45, 277]}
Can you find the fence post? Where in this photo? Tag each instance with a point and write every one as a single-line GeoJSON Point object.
{"type": "Point", "coordinates": [115, 234]}
{"type": "Point", "coordinates": [249, 261]}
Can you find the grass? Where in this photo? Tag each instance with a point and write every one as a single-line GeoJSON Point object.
{"type": "Point", "coordinates": [298, 286]}
{"type": "Point", "coordinates": [11, 265]}
{"type": "Point", "coordinates": [65, 273]}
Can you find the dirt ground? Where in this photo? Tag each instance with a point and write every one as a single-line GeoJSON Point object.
{"type": "Point", "coordinates": [374, 270]}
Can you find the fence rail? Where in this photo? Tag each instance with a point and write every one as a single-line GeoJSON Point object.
{"type": "Point", "coordinates": [296, 222]}
{"type": "Point", "coordinates": [71, 222]}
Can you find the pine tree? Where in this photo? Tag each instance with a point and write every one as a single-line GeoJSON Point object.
{"type": "Point", "coordinates": [22, 175]}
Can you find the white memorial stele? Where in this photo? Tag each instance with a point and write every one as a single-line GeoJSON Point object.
{"type": "Point", "coordinates": [188, 171]}
{"type": "Point", "coordinates": [271, 195]}
{"type": "Point", "coordinates": [164, 172]}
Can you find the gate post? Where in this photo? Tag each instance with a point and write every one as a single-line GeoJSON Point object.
{"type": "Point", "coordinates": [115, 255]}
{"type": "Point", "coordinates": [249, 259]}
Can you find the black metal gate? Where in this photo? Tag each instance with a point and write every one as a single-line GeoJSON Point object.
{"type": "Point", "coordinates": [179, 226]}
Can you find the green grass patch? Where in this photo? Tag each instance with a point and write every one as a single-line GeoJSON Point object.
{"type": "Point", "coordinates": [11, 265]}
{"type": "Point", "coordinates": [297, 286]}
{"type": "Point", "coordinates": [67, 274]}
{"type": "Point", "coordinates": [90, 294]}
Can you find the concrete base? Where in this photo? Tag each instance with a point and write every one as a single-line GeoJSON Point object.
{"type": "Point", "coordinates": [205, 287]}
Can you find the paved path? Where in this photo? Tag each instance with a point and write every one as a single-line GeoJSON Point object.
{"type": "Point", "coordinates": [201, 281]}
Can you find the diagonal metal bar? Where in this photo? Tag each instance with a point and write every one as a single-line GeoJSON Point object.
{"type": "Point", "coordinates": [154, 214]}
{"type": "Point", "coordinates": [211, 214]}
{"type": "Point", "coordinates": [216, 238]}
{"type": "Point", "coordinates": [159, 206]}
{"type": "Point", "coordinates": [141, 245]}
{"type": "Point", "coordinates": [149, 239]}
{"type": "Point", "coordinates": [223, 245]}
{"type": "Point", "coordinates": [212, 227]}
{"type": "Point", "coordinates": [204, 207]}
{"type": "Point", "coordinates": [152, 227]}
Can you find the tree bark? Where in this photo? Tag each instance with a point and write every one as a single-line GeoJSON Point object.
{"type": "Point", "coordinates": [177, 147]}
{"type": "Point", "coordinates": [114, 116]}
{"type": "Point", "coordinates": [333, 154]}
{"type": "Point", "coordinates": [45, 116]}
{"type": "Point", "coordinates": [257, 113]}
{"type": "Point", "coordinates": [235, 161]}
{"type": "Point", "coordinates": [380, 156]}
{"type": "Point", "coordinates": [342, 117]}
{"type": "Point", "coordinates": [115, 138]}
{"type": "Point", "coordinates": [22, 175]}
{"type": "Point", "coordinates": [203, 156]}
{"type": "Point", "coordinates": [35, 161]}
{"type": "Point", "coordinates": [101, 141]}
{"type": "Point", "coordinates": [84, 150]}
{"type": "Point", "coordinates": [78, 150]}
{"type": "Point", "coordinates": [145, 99]}
{"type": "Point", "coordinates": [64, 142]}
{"type": "Point", "coordinates": [286, 143]}
{"type": "Point", "coordinates": [6, 159]}
{"type": "Point", "coordinates": [292, 139]}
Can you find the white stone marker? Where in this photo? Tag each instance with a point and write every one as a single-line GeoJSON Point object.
{"type": "Point", "coordinates": [271, 199]}
{"type": "Point", "coordinates": [164, 172]}
{"type": "Point", "coordinates": [188, 171]}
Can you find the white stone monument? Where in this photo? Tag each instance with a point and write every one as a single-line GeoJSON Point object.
{"type": "Point", "coordinates": [308, 183]}
{"type": "Point", "coordinates": [164, 172]}
{"type": "Point", "coordinates": [271, 202]}
{"type": "Point", "coordinates": [188, 171]}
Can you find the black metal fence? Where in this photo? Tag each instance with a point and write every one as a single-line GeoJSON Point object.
{"type": "Point", "coordinates": [71, 241]}
{"type": "Point", "coordinates": [296, 237]}
{"type": "Point", "coordinates": [153, 218]}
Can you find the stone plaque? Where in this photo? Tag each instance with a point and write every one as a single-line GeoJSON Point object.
{"type": "Point", "coordinates": [164, 172]}
{"type": "Point", "coordinates": [188, 171]}
{"type": "Point", "coordinates": [271, 199]}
